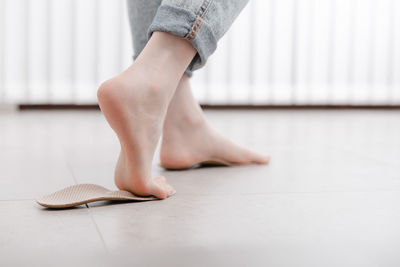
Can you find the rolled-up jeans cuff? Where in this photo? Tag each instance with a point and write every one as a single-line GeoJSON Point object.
{"type": "Point", "coordinates": [179, 21]}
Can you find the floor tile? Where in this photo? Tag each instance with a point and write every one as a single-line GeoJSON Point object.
{"type": "Point", "coordinates": [31, 234]}
{"type": "Point", "coordinates": [294, 229]}
{"type": "Point", "coordinates": [27, 173]}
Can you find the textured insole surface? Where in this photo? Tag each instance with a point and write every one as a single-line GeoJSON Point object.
{"type": "Point", "coordinates": [85, 193]}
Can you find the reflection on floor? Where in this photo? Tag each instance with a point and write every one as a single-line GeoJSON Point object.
{"type": "Point", "coordinates": [330, 196]}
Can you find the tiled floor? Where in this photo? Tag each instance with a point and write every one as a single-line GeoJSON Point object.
{"type": "Point", "coordinates": [330, 196]}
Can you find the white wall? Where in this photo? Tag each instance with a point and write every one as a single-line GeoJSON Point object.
{"type": "Point", "coordinates": [277, 52]}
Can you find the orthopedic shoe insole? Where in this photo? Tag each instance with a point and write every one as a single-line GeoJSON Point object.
{"type": "Point", "coordinates": [85, 193]}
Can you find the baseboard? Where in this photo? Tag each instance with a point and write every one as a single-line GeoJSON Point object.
{"type": "Point", "coordinates": [58, 107]}
{"type": "Point", "coordinates": [214, 107]}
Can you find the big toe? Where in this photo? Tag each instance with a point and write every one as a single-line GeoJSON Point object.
{"type": "Point", "coordinates": [161, 189]}
{"type": "Point", "coordinates": [254, 157]}
{"type": "Point", "coordinates": [260, 159]}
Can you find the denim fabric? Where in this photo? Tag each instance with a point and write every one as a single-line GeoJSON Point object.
{"type": "Point", "coordinates": [202, 22]}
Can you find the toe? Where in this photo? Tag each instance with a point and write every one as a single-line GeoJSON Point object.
{"type": "Point", "coordinates": [256, 158]}
{"type": "Point", "coordinates": [170, 190]}
{"type": "Point", "coordinates": [160, 188]}
{"type": "Point", "coordinates": [240, 155]}
{"type": "Point", "coordinates": [261, 159]}
{"type": "Point", "coordinates": [161, 179]}
{"type": "Point", "coordinates": [159, 191]}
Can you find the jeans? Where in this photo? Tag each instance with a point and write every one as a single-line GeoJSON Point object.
{"type": "Point", "coordinates": [202, 22]}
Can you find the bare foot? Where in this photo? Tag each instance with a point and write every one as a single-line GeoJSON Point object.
{"type": "Point", "coordinates": [189, 140]}
{"type": "Point", "coordinates": [135, 103]}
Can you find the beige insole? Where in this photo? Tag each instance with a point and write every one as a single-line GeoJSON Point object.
{"type": "Point", "coordinates": [85, 193]}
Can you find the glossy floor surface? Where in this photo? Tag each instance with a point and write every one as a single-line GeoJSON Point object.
{"type": "Point", "coordinates": [329, 197]}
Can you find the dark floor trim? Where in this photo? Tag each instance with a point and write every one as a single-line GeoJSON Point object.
{"type": "Point", "coordinates": [295, 107]}
{"type": "Point", "coordinates": [58, 107]}
{"type": "Point", "coordinates": [214, 107]}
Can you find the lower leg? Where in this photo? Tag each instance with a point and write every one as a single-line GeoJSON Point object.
{"type": "Point", "coordinates": [188, 139]}
{"type": "Point", "coordinates": [135, 103]}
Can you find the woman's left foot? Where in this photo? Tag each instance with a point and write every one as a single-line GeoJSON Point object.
{"type": "Point", "coordinates": [191, 144]}
{"type": "Point", "coordinates": [189, 140]}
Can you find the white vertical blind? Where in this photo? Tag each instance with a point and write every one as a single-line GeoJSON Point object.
{"type": "Point", "coordinates": [277, 52]}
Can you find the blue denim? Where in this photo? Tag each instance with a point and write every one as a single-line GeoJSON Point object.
{"type": "Point", "coordinates": [202, 22]}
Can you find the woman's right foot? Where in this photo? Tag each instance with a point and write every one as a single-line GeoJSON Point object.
{"type": "Point", "coordinates": [133, 107]}
{"type": "Point", "coordinates": [135, 103]}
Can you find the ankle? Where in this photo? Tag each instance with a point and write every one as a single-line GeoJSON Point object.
{"type": "Point", "coordinates": [183, 121]}
{"type": "Point", "coordinates": [172, 46]}
{"type": "Point", "coordinates": [167, 53]}
{"type": "Point", "coordinates": [193, 120]}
